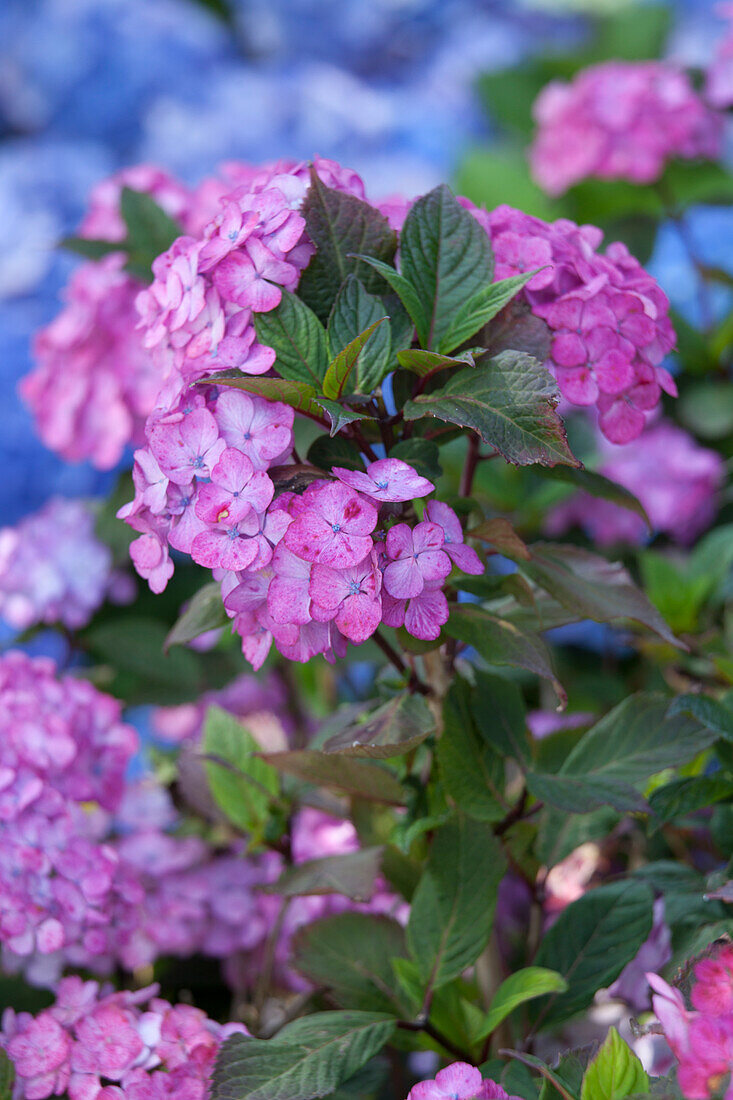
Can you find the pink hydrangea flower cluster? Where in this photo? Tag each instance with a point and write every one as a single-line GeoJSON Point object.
{"type": "Point", "coordinates": [608, 318]}
{"type": "Point", "coordinates": [701, 1038]}
{"type": "Point", "coordinates": [96, 1044]}
{"type": "Point", "coordinates": [676, 480]}
{"type": "Point", "coordinates": [620, 120]}
{"type": "Point", "coordinates": [95, 382]}
{"type": "Point", "coordinates": [63, 747]}
{"type": "Point", "coordinates": [719, 76]}
{"type": "Point", "coordinates": [459, 1081]}
{"type": "Point", "coordinates": [53, 569]}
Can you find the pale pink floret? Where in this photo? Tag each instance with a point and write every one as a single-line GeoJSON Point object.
{"type": "Point", "coordinates": [252, 277]}
{"type": "Point", "coordinates": [463, 557]}
{"type": "Point", "coordinates": [288, 597]}
{"type": "Point", "coordinates": [152, 561]}
{"type": "Point", "coordinates": [189, 448]}
{"type": "Point", "coordinates": [422, 616]}
{"type": "Point", "coordinates": [40, 1057]}
{"type": "Point", "coordinates": [416, 559]}
{"type": "Point", "coordinates": [334, 527]}
{"type": "Point", "coordinates": [350, 596]}
{"type": "Point", "coordinates": [388, 479]}
{"type": "Point", "coordinates": [263, 430]}
{"type": "Point", "coordinates": [458, 1081]}
{"type": "Point", "coordinates": [712, 992]}
{"type": "Point", "coordinates": [235, 489]}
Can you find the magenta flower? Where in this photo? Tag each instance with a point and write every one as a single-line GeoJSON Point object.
{"type": "Point", "coordinates": [262, 430]}
{"type": "Point", "coordinates": [40, 1054]}
{"type": "Point", "coordinates": [458, 1081]}
{"type": "Point", "coordinates": [712, 992]}
{"type": "Point", "coordinates": [189, 448]}
{"type": "Point", "coordinates": [417, 558]}
{"type": "Point", "coordinates": [334, 527]}
{"type": "Point", "coordinates": [388, 479]}
{"type": "Point", "coordinates": [235, 489]}
{"type": "Point", "coordinates": [231, 544]}
{"type": "Point", "coordinates": [252, 276]}
{"type": "Point", "coordinates": [152, 561]}
{"type": "Point", "coordinates": [350, 596]}
{"type": "Point", "coordinates": [422, 616]}
{"type": "Point", "coordinates": [288, 597]}
{"type": "Point", "coordinates": [107, 1043]}
{"type": "Point", "coordinates": [464, 557]}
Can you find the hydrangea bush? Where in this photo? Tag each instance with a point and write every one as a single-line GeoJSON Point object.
{"type": "Point", "coordinates": [413, 801]}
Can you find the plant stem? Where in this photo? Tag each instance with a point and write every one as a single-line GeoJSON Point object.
{"type": "Point", "coordinates": [469, 468]}
{"type": "Point", "coordinates": [414, 682]}
{"type": "Point", "coordinates": [437, 1036]}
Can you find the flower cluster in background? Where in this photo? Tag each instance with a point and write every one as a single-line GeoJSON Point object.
{"type": "Point", "coordinates": [620, 121]}
{"type": "Point", "coordinates": [676, 480]}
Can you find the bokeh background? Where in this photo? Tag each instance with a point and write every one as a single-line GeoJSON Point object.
{"type": "Point", "coordinates": [393, 88]}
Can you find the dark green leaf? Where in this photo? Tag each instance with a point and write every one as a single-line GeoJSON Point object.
{"type": "Point", "coordinates": [499, 713]}
{"type": "Point", "coordinates": [593, 587]}
{"type": "Point", "coordinates": [355, 777]}
{"type": "Point", "coordinates": [242, 784]}
{"type": "Point", "coordinates": [150, 231]}
{"type": "Point", "coordinates": [713, 714]}
{"type": "Point", "coordinates": [327, 452]}
{"type": "Point", "coordinates": [591, 942]}
{"type": "Point", "coordinates": [352, 875]}
{"type": "Point", "coordinates": [471, 768]}
{"type": "Point", "coordinates": [500, 642]}
{"type": "Point", "coordinates": [685, 796]}
{"type": "Point", "coordinates": [7, 1076]}
{"type": "Point", "coordinates": [580, 794]}
{"type": "Point", "coordinates": [353, 312]}
{"type": "Point", "coordinates": [298, 339]}
{"type": "Point", "coordinates": [424, 363]}
{"type": "Point", "coordinates": [588, 481]}
{"type": "Point", "coordinates": [422, 454]}
{"type": "Point", "coordinates": [204, 612]}
{"type": "Point", "coordinates": [338, 415]}
{"type": "Point", "coordinates": [452, 910]}
{"type": "Point", "coordinates": [447, 257]}
{"type": "Point", "coordinates": [482, 308]}
{"type": "Point", "coordinates": [510, 401]}
{"type": "Point", "coordinates": [90, 249]}
{"type": "Point", "coordinates": [614, 1073]}
{"type": "Point", "coordinates": [300, 395]}
{"type": "Point", "coordinates": [542, 1068]}
{"type": "Point", "coordinates": [349, 954]}
{"type": "Point", "coordinates": [393, 729]}
{"type": "Point", "coordinates": [308, 1058]}
{"type": "Point", "coordinates": [339, 372]}
{"type": "Point", "coordinates": [402, 287]}
{"type": "Point", "coordinates": [340, 225]}
{"type": "Point", "coordinates": [132, 647]}
{"type": "Point", "coordinates": [688, 182]}
{"type": "Point", "coordinates": [498, 532]}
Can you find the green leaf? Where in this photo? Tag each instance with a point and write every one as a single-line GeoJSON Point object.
{"type": "Point", "coordinates": [707, 410]}
{"type": "Point", "coordinates": [520, 987]}
{"type": "Point", "coordinates": [131, 646]}
{"type": "Point", "coordinates": [699, 181]}
{"type": "Point", "coordinates": [425, 363]}
{"type": "Point", "coordinates": [340, 370]}
{"type": "Point", "coordinates": [452, 910]}
{"type": "Point", "coordinates": [242, 784]}
{"type": "Point", "coordinates": [327, 452]}
{"type": "Point", "coordinates": [308, 1058]}
{"type": "Point", "coordinates": [91, 249]}
{"type": "Point", "coordinates": [618, 754]}
{"type": "Point", "coordinates": [393, 729]}
{"type": "Point", "coordinates": [685, 796]}
{"type": "Point", "coordinates": [490, 177]}
{"type": "Point", "coordinates": [614, 1073]}
{"type": "Point", "coordinates": [711, 712]}
{"type": "Point", "coordinates": [499, 712]}
{"type": "Point", "coordinates": [542, 1068]}
{"type": "Point", "coordinates": [300, 395]}
{"type": "Point", "coordinates": [338, 415]}
{"type": "Point", "coordinates": [500, 642]}
{"type": "Point", "coordinates": [447, 257]}
{"type": "Point", "coordinates": [510, 401]}
{"type": "Point", "coordinates": [588, 481]}
{"type": "Point", "coordinates": [356, 777]}
{"type": "Point", "coordinates": [205, 611]}
{"type": "Point", "coordinates": [150, 231]}
{"type": "Point", "coordinates": [351, 875]}
{"type": "Point", "coordinates": [298, 339]}
{"type": "Point", "coordinates": [402, 287]}
{"type": "Point", "coordinates": [7, 1077]}
{"type": "Point", "coordinates": [471, 768]}
{"type": "Point", "coordinates": [482, 308]}
{"type": "Point", "coordinates": [678, 592]}
{"type": "Point", "coordinates": [341, 225]}
{"type": "Point", "coordinates": [349, 955]}
{"type": "Point", "coordinates": [591, 942]}
{"type": "Point", "coordinates": [353, 312]}
{"type": "Point", "coordinates": [593, 587]}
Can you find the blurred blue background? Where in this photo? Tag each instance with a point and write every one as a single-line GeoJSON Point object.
{"type": "Point", "coordinates": [87, 86]}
